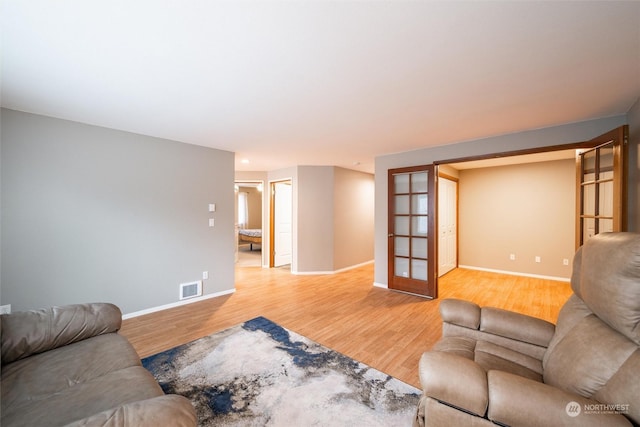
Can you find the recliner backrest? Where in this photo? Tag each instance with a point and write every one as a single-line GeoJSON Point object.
{"type": "Point", "coordinates": [594, 351]}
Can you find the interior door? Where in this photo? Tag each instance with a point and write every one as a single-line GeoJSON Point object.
{"type": "Point", "coordinates": [282, 208]}
{"type": "Point", "coordinates": [447, 225]}
{"type": "Point", "coordinates": [601, 186]}
{"type": "Point", "coordinates": [411, 243]}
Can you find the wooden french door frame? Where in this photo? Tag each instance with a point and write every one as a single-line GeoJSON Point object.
{"type": "Point", "coordinates": [617, 141]}
{"type": "Point", "coordinates": [411, 253]}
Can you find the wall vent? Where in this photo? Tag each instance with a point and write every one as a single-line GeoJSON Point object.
{"type": "Point", "coordinates": [190, 290]}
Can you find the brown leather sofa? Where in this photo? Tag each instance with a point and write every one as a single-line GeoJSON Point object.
{"type": "Point", "coordinates": [494, 366]}
{"type": "Point", "coordinates": [68, 366]}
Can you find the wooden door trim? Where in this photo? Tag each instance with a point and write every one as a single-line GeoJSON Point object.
{"type": "Point", "coordinates": [523, 152]}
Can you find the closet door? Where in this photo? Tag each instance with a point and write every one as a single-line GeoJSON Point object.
{"type": "Point", "coordinates": [447, 225]}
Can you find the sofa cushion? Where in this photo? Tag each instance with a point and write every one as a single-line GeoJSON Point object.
{"type": "Point", "coordinates": [84, 378]}
{"type": "Point", "coordinates": [491, 356]}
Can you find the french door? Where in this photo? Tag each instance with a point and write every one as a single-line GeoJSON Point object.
{"type": "Point", "coordinates": [412, 232]}
{"type": "Point", "coordinates": [601, 186]}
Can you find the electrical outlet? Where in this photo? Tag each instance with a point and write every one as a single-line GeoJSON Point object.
{"type": "Point", "coordinates": [538, 259]}
{"type": "Point", "coordinates": [212, 222]}
{"type": "Point", "coordinates": [512, 257]}
{"type": "Point", "coordinates": [205, 275]}
{"type": "Point", "coordinates": [5, 309]}
{"type": "Point", "coordinates": [565, 261]}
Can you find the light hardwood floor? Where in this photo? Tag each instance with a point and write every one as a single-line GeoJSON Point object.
{"type": "Point", "coordinates": [384, 329]}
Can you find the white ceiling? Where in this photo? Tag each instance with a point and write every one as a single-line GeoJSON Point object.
{"type": "Point", "coordinates": [286, 83]}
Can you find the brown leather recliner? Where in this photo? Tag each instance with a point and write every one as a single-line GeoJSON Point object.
{"type": "Point", "coordinates": [494, 366]}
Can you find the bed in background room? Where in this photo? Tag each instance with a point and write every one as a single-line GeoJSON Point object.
{"type": "Point", "coordinates": [251, 236]}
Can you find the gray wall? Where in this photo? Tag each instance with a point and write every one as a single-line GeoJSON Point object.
{"type": "Point", "coordinates": [95, 214]}
{"type": "Point", "coordinates": [564, 134]}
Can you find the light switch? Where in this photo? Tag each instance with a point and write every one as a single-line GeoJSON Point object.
{"type": "Point", "coordinates": [212, 207]}
{"type": "Point", "coordinates": [212, 222]}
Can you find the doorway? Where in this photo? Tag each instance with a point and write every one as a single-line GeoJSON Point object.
{"type": "Point", "coordinates": [249, 223]}
{"type": "Point", "coordinates": [281, 223]}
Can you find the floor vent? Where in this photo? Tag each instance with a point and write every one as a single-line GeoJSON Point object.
{"type": "Point", "coordinates": [191, 289]}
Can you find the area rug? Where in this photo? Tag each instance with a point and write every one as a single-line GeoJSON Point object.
{"type": "Point", "coordinates": [261, 374]}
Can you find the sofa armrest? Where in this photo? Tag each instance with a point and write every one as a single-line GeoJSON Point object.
{"type": "Point", "coordinates": [516, 326]}
{"type": "Point", "coordinates": [516, 400]}
{"type": "Point", "coordinates": [454, 380]}
{"type": "Point", "coordinates": [168, 410]}
{"type": "Point", "coordinates": [36, 331]}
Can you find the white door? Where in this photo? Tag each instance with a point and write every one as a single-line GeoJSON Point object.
{"type": "Point", "coordinates": [447, 225]}
{"type": "Point", "coordinates": [282, 211]}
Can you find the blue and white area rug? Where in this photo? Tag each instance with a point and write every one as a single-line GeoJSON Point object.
{"type": "Point", "coordinates": [261, 374]}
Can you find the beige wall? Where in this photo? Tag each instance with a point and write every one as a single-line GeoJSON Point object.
{"type": "Point", "coordinates": [315, 219]}
{"type": "Point", "coordinates": [353, 220]}
{"type": "Point", "coordinates": [526, 210]}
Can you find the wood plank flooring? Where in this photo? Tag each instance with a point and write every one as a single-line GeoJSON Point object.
{"type": "Point", "coordinates": [384, 329]}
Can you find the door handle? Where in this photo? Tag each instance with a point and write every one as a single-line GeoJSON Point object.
{"type": "Point", "coordinates": [390, 235]}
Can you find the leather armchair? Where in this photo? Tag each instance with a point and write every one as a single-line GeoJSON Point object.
{"type": "Point", "coordinates": [495, 366]}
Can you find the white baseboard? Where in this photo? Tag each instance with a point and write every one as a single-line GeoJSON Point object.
{"type": "Point", "coordinates": [176, 304]}
{"type": "Point", "coordinates": [516, 273]}
{"type": "Point", "coordinates": [381, 285]}
{"type": "Point", "coordinates": [351, 267]}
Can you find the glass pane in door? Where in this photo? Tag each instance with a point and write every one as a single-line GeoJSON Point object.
{"type": "Point", "coordinates": [402, 267]}
{"type": "Point", "coordinates": [402, 246]}
{"type": "Point", "coordinates": [402, 205]}
{"type": "Point", "coordinates": [419, 247]}
{"type": "Point", "coordinates": [401, 183]}
{"type": "Point", "coordinates": [402, 225]}
{"type": "Point", "coordinates": [418, 269]}
{"type": "Point", "coordinates": [419, 204]}
{"type": "Point", "coordinates": [588, 199]}
{"type": "Point", "coordinates": [605, 203]}
{"type": "Point", "coordinates": [419, 226]}
{"type": "Point", "coordinates": [419, 182]}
